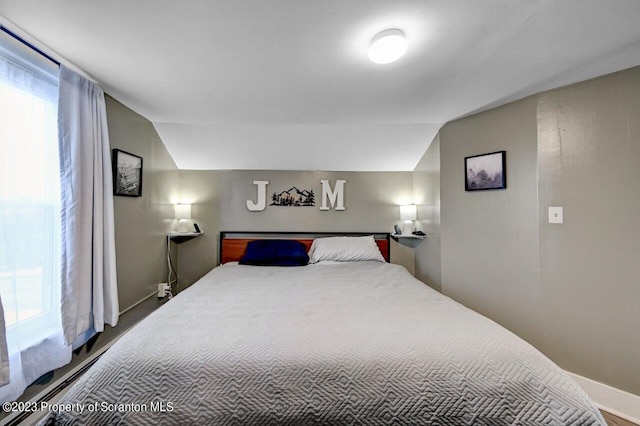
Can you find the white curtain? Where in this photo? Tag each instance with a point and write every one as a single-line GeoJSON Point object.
{"type": "Point", "coordinates": [4, 353]}
{"type": "Point", "coordinates": [89, 291]}
{"type": "Point", "coordinates": [29, 223]}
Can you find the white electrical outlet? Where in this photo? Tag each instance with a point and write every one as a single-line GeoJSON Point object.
{"type": "Point", "coordinates": [163, 289]}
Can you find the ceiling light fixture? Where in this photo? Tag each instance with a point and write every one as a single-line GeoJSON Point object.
{"type": "Point", "coordinates": [387, 46]}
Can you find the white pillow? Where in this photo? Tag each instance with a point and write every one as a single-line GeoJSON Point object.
{"type": "Point", "coordinates": [345, 249]}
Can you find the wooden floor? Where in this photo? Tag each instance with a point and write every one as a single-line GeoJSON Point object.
{"type": "Point", "coordinates": [616, 421]}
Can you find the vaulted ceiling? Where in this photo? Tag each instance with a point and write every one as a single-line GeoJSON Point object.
{"type": "Point", "coordinates": [286, 84]}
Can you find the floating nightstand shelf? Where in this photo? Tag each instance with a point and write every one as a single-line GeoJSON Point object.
{"type": "Point", "coordinates": [181, 237]}
{"type": "Point", "coordinates": [408, 236]}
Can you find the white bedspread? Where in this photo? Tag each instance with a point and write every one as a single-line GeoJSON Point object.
{"type": "Point", "coordinates": [360, 343]}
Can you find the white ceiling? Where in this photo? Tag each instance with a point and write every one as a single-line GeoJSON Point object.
{"type": "Point", "coordinates": [286, 84]}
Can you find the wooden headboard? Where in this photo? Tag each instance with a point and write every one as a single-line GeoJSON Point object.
{"type": "Point", "coordinates": [234, 243]}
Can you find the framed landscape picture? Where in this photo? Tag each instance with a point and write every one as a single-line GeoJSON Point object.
{"type": "Point", "coordinates": [485, 171]}
{"type": "Point", "coordinates": [127, 174]}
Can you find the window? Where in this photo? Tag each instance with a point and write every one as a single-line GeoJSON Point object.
{"type": "Point", "coordinates": [29, 207]}
{"type": "Point", "coordinates": [29, 210]}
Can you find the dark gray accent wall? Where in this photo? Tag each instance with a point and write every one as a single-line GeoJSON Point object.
{"type": "Point", "coordinates": [573, 289]}
{"type": "Point", "coordinates": [141, 223]}
{"type": "Point", "coordinates": [219, 204]}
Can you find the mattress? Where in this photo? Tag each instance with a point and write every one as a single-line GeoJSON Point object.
{"type": "Point", "coordinates": [353, 343]}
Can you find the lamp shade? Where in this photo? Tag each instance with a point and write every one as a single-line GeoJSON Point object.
{"type": "Point", "coordinates": [183, 211]}
{"type": "Point", "coordinates": [408, 212]}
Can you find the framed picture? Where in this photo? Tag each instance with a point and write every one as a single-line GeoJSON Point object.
{"type": "Point", "coordinates": [127, 174]}
{"type": "Point", "coordinates": [485, 171]}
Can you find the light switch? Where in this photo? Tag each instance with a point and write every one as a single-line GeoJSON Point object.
{"type": "Point", "coordinates": [555, 215]}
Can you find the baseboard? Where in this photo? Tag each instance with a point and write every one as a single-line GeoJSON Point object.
{"type": "Point", "coordinates": [139, 302]}
{"type": "Point", "coordinates": [615, 401]}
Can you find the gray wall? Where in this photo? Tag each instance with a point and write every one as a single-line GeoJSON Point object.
{"type": "Point", "coordinates": [572, 290]}
{"type": "Point", "coordinates": [589, 163]}
{"type": "Point", "coordinates": [490, 238]}
{"type": "Point", "coordinates": [426, 194]}
{"type": "Point", "coordinates": [219, 204]}
{"type": "Point", "coordinates": [142, 223]}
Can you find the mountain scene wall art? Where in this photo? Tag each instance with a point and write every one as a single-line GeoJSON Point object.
{"type": "Point", "coordinates": [486, 171]}
{"type": "Point", "coordinates": [293, 197]}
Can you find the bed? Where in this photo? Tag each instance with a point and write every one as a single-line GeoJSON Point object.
{"type": "Point", "coordinates": [334, 342]}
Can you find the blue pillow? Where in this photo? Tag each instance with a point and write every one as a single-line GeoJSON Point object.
{"type": "Point", "coordinates": [275, 253]}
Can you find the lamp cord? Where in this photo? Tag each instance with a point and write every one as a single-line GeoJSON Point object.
{"type": "Point", "coordinates": [171, 269]}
